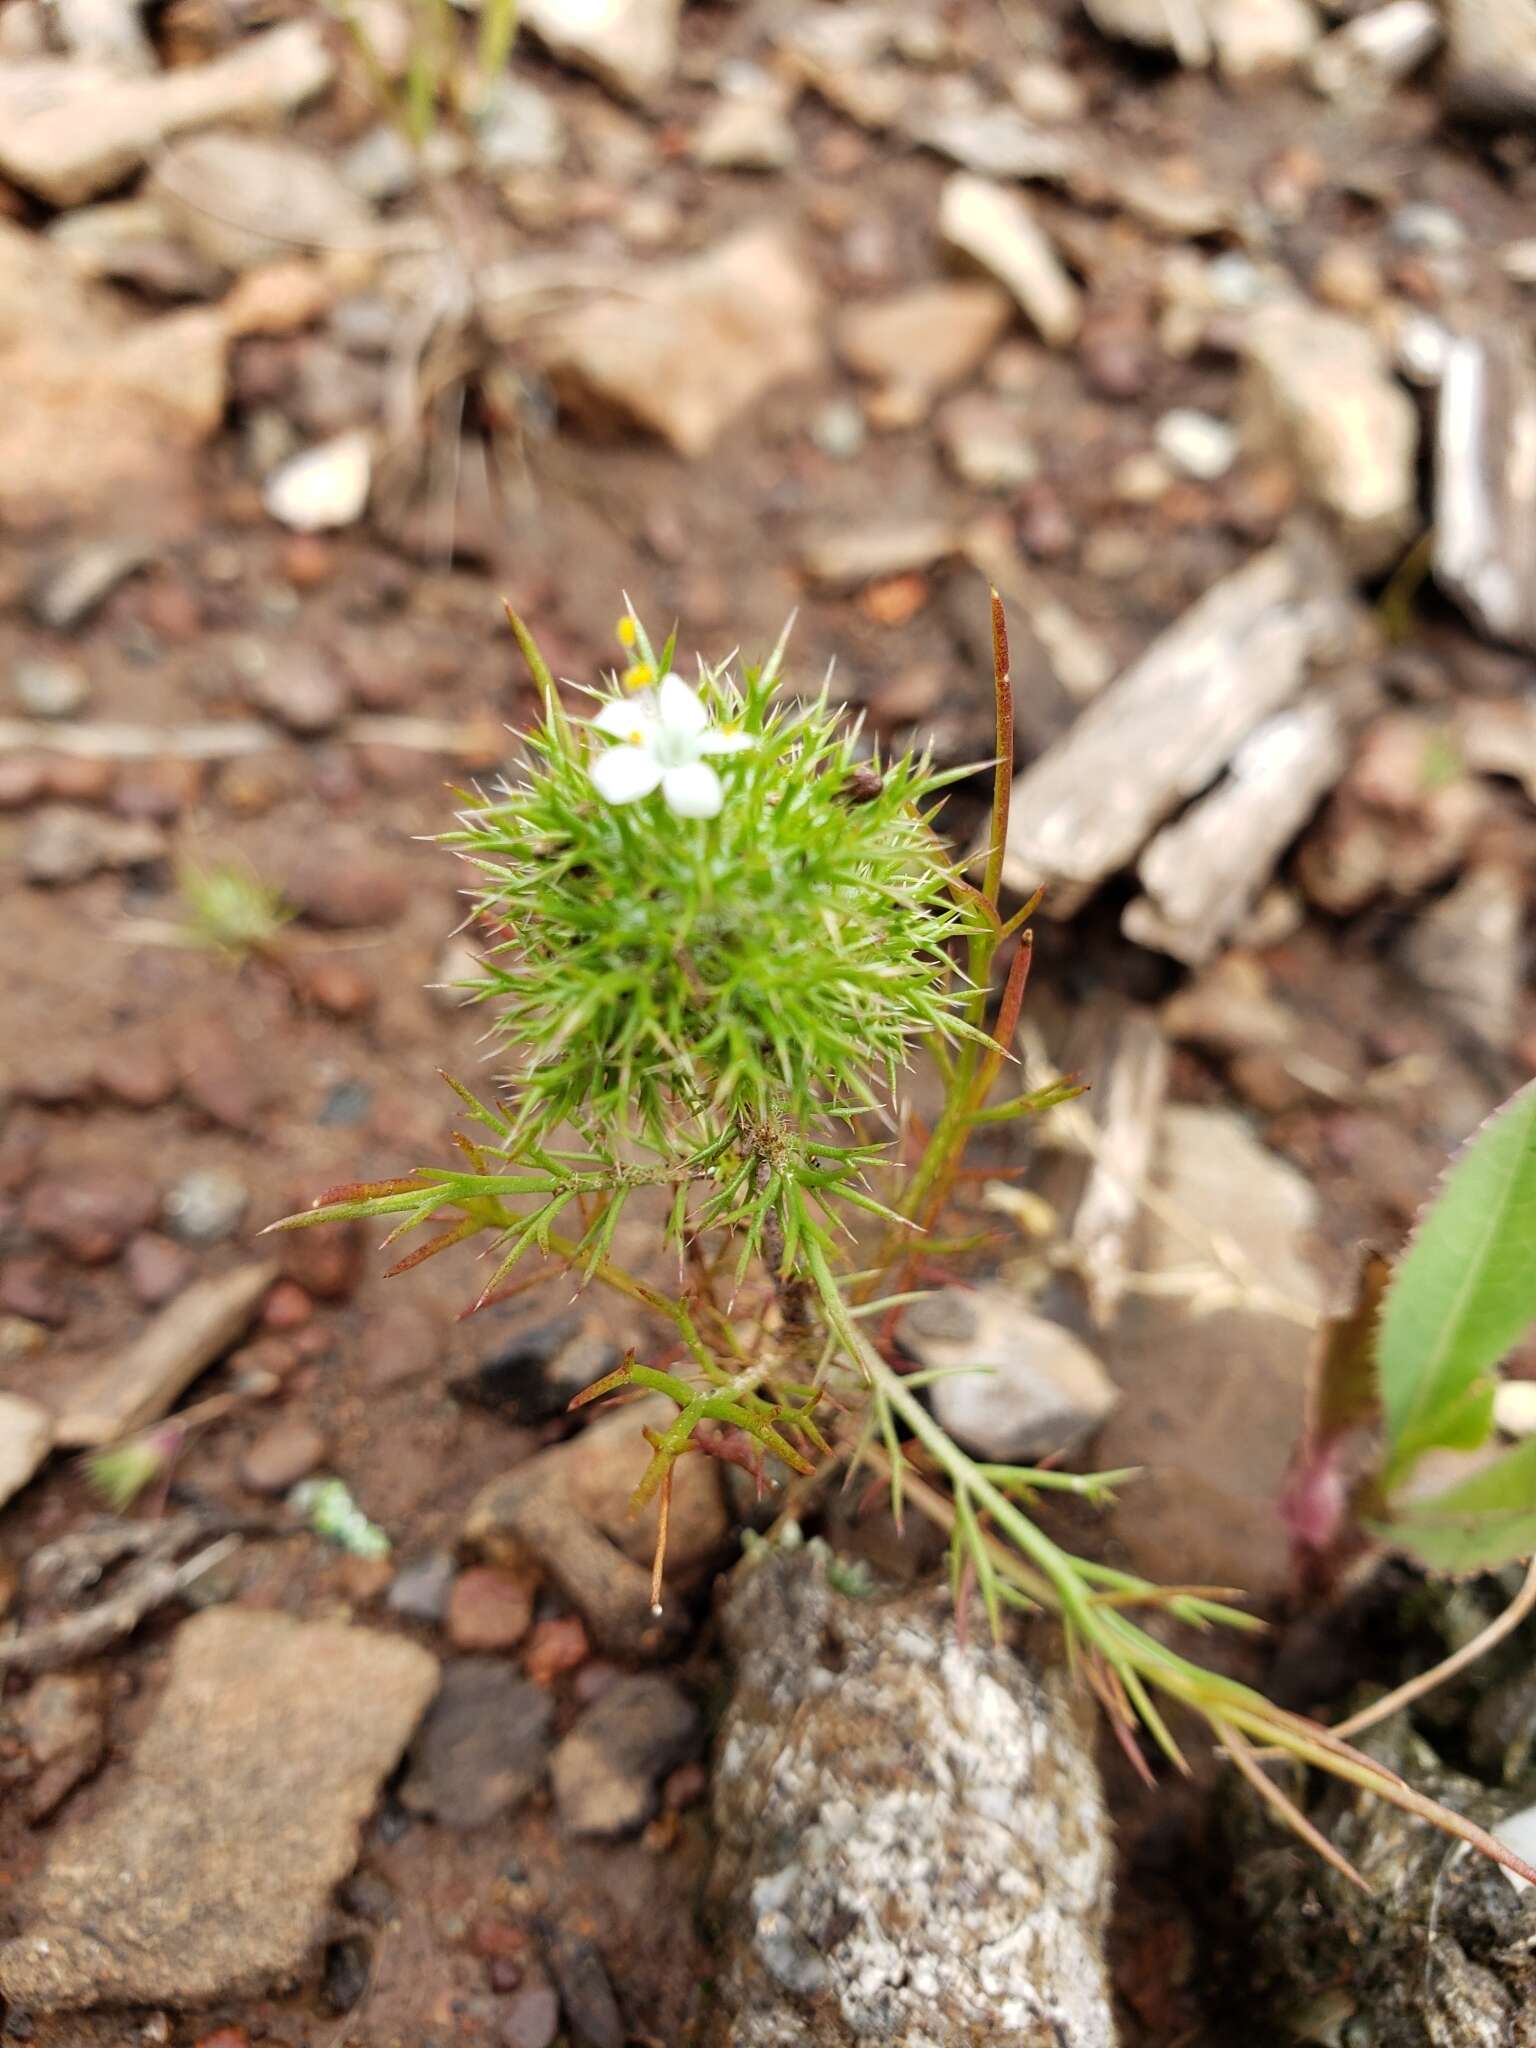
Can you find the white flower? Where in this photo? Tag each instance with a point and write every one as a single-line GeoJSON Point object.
{"type": "Point", "coordinates": [666, 734]}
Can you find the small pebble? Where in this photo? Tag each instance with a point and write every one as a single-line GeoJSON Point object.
{"type": "Point", "coordinates": [838, 429]}
{"type": "Point", "coordinates": [532, 2018]}
{"type": "Point", "coordinates": [489, 1609]}
{"type": "Point", "coordinates": [340, 989]}
{"type": "Point", "coordinates": [50, 689]}
{"type": "Point", "coordinates": [206, 1206]}
{"type": "Point", "coordinates": [281, 1456]}
{"type": "Point", "coordinates": [421, 1587]}
{"type": "Point", "coordinates": [348, 1966]}
{"type": "Point", "coordinates": [558, 1644]}
{"type": "Point", "coordinates": [1196, 443]}
{"type": "Point", "coordinates": [156, 1267]}
{"type": "Point", "coordinates": [136, 1071]}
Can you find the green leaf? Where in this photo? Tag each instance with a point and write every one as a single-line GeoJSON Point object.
{"type": "Point", "coordinates": [1478, 1524]}
{"type": "Point", "coordinates": [1464, 1293]}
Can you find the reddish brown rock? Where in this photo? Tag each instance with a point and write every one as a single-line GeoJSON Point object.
{"type": "Point", "coordinates": [557, 1645]}
{"type": "Point", "coordinates": [489, 1609]}
{"type": "Point", "coordinates": [346, 889]}
{"type": "Point", "coordinates": [91, 1215]}
{"type": "Point", "coordinates": [218, 1074]}
{"type": "Point", "coordinates": [134, 1068]}
{"type": "Point", "coordinates": [157, 1267]}
{"type": "Point", "coordinates": [282, 1455]}
{"type": "Point", "coordinates": [33, 1286]}
{"type": "Point", "coordinates": [325, 1260]}
{"type": "Point", "coordinates": [340, 989]}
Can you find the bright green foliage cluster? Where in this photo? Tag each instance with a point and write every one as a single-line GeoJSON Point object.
{"type": "Point", "coordinates": [677, 978]}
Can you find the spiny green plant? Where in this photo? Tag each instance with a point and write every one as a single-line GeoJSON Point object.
{"type": "Point", "coordinates": [719, 933]}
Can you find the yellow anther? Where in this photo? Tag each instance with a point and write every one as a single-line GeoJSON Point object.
{"type": "Point", "coordinates": [639, 676]}
{"type": "Point", "coordinates": [625, 631]}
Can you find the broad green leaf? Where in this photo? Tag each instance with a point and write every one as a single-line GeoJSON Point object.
{"type": "Point", "coordinates": [1476, 1525]}
{"type": "Point", "coordinates": [1463, 1294]}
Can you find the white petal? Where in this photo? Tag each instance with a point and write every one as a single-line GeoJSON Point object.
{"type": "Point", "coordinates": [681, 708]}
{"type": "Point", "coordinates": [624, 774]}
{"type": "Point", "coordinates": [724, 742]}
{"type": "Point", "coordinates": [627, 718]}
{"type": "Point", "coordinates": [694, 791]}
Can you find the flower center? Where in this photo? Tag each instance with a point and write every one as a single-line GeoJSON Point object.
{"type": "Point", "coordinates": [674, 748]}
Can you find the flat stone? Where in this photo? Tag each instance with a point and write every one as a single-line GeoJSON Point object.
{"type": "Point", "coordinates": [1485, 501]}
{"type": "Point", "coordinates": [607, 1772]}
{"type": "Point", "coordinates": [985, 442]}
{"type": "Point", "coordinates": [1164, 729]}
{"type": "Point", "coordinates": [282, 1455]}
{"type": "Point", "coordinates": [1320, 391]}
{"type": "Point", "coordinates": [992, 225]}
{"type": "Point", "coordinates": [686, 349]}
{"type": "Point", "coordinates": [864, 554]}
{"type": "Point", "coordinates": [490, 1608]}
{"type": "Point", "coordinates": [71, 130]}
{"type": "Point", "coordinates": [1036, 1388]}
{"type": "Point", "coordinates": [240, 200]}
{"type": "Point", "coordinates": [925, 339]}
{"type": "Point", "coordinates": [145, 1378]}
{"type": "Point", "coordinates": [746, 132]}
{"type": "Point", "coordinates": [70, 589]}
{"type": "Point", "coordinates": [62, 1720]}
{"type": "Point", "coordinates": [482, 1750]}
{"type": "Point", "coordinates": [630, 46]}
{"type": "Point", "coordinates": [1212, 1373]}
{"type": "Point", "coordinates": [65, 843]}
{"type": "Point", "coordinates": [240, 1813]}
{"type": "Point", "coordinates": [26, 1437]}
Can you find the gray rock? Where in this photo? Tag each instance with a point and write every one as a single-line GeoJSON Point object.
{"type": "Point", "coordinates": [985, 443]}
{"type": "Point", "coordinates": [71, 130]}
{"type": "Point", "coordinates": [1035, 1389]}
{"type": "Point", "coordinates": [607, 1772]}
{"type": "Point", "coordinates": [1490, 70]}
{"type": "Point", "coordinates": [1165, 728]}
{"type": "Point", "coordinates": [1320, 391]}
{"type": "Point", "coordinates": [69, 590]}
{"type": "Point", "coordinates": [207, 1206]}
{"type": "Point", "coordinates": [26, 1437]}
{"type": "Point", "coordinates": [517, 127]}
{"type": "Point", "coordinates": [50, 689]}
{"type": "Point", "coordinates": [912, 1839]}
{"type": "Point", "coordinates": [630, 46]}
{"type": "Point", "coordinates": [240, 200]}
{"type": "Point", "coordinates": [536, 1373]}
{"type": "Point", "coordinates": [1211, 1361]}
{"type": "Point", "coordinates": [746, 132]}
{"type": "Point", "coordinates": [65, 843]}
{"type": "Point", "coordinates": [992, 225]}
{"type": "Point", "coordinates": [240, 1813]}
{"type": "Point", "coordinates": [420, 1587]}
{"type": "Point", "coordinates": [1467, 951]}
{"type": "Point", "coordinates": [592, 2014]}
{"type": "Point", "coordinates": [482, 1750]}
{"type": "Point", "coordinates": [1485, 506]}
{"type": "Point", "coordinates": [1370, 54]}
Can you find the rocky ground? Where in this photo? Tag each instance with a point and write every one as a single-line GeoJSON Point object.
{"type": "Point", "coordinates": [1197, 326]}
